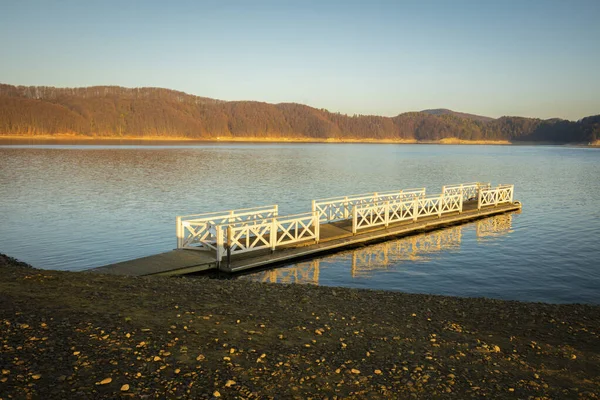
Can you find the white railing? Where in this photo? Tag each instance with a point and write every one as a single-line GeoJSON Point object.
{"type": "Point", "coordinates": [469, 191]}
{"type": "Point", "coordinates": [239, 231]}
{"type": "Point", "coordinates": [340, 208]}
{"type": "Point", "coordinates": [198, 231]}
{"type": "Point", "coordinates": [384, 213]}
{"type": "Point", "coordinates": [268, 233]}
{"type": "Point", "coordinates": [493, 197]}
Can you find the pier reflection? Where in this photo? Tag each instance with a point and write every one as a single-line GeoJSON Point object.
{"type": "Point", "coordinates": [378, 257]}
{"type": "Point", "coordinates": [494, 227]}
{"type": "Point", "coordinates": [305, 272]}
{"type": "Point", "coordinates": [412, 248]}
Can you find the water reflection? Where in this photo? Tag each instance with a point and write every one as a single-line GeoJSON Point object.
{"type": "Point", "coordinates": [367, 260]}
{"type": "Point", "coordinates": [493, 227]}
{"type": "Point", "coordinates": [306, 272]}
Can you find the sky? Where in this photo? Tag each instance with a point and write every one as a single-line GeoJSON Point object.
{"type": "Point", "coordinates": [527, 58]}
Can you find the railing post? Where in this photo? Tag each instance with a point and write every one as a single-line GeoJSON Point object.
{"type": "Point", "coordinates": [386, 212]}
{"type": "Point", "coordinates": [229, 247]}
{"type": "Point", "coordinates": [415, 209]}
{"type": "Point", "coordinates": [479, 192]}
{"type": "Point", "coordinates": [219, 244]}
{"type": "Point", "coordinates": [512, 192]}
{"type": "Point", "coordinates": [179, 232]}
{"type": "Point", "coordinates": [276, 210]}
{"type": "Point", "coordinates": [273, 235]}
{"type": "Point", "coordinates": [317, 225]}
{"type": "Point", "coordinates": [346, 207]}
{"type": "Point", "coordinates": [441, 206]}
{"type": "Point", "coordinates": [354, 219]}
{"type": "Point", "coordinates": [460, 205]}
{"type": "Point", "coordinates": [497, 197]}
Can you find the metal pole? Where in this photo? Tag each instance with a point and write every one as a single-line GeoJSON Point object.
{"type": "Point", "coordinates": [228, 247]}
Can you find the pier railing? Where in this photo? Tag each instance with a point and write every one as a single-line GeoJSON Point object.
{"type": "Point", "coordinates": [198, 231]}
{"type": "Point", "coordinates": [235, 232]}
{"type": "Point", "coordinates": [498, 195]}
{"type": "Point", "coordinates": [268, 233]}
{"type": "Point", "coordinates": [469, 191]}
{"type": "Point", "coordinates": [387, 212]}
{"type": "Point", "coordinates": [340, 208]}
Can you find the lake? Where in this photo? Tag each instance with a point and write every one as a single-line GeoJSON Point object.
{"type": "Point", "coordinates": [71, 207]}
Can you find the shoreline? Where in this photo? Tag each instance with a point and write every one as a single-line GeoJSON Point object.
{"type": "Point", "coordinates": [231, 139]}
{"type": "Point", "coordinates": [161, 140]}
{"type": "Point", "coordinates": [76, 334]}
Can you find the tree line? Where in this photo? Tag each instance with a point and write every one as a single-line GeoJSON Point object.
{"type": "Point", "coordinates": [117, 111]}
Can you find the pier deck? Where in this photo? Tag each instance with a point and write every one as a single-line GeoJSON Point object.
{"type": "Point", "coordinates": [332, 236]}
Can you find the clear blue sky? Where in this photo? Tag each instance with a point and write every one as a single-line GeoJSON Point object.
{"type": "Point", "coordinates": [528, 58]}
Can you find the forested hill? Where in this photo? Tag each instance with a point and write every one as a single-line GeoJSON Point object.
{"type": "Point", "coordinates": [117, 111]}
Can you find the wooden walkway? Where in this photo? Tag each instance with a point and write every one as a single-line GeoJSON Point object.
{"type": "Point", "coordinates": [334, 236]}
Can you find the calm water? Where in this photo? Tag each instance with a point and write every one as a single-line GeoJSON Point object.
{"type": "Point", "coordinates": [77, 207]}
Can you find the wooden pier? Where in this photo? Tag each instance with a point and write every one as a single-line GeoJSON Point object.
{"type": "Point", "coordinates": [238, 240]}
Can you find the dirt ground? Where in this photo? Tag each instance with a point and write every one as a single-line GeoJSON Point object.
{"type": "Point", "coordinates": [82, 335]}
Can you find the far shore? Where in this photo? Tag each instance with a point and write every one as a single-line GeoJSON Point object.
{"type": "Point", "coordinates": [65, 138]}
{"type": "Point", "coordinates": [93, 140]}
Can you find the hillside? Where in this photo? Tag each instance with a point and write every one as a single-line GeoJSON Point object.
{"type": "Point", "coordinates": [109, 111]}
{"type": "Point", "coordinates": [445, 111]}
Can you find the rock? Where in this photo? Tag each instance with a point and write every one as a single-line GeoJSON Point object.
{"type": "Point", "coordinates": [573, 356]}
{"type": "Point", "coordinates": [216, 393]}
{"type": "Point", "coordinates": [36, 376]}
{"type": "Point", "coordinates": [124, 388]}
{"type": "Point", "coordinates": [229, 383]}
{"type": "Point", "coordinates": [355, 371]}
{"type": "Point", "coordinates": [105, 381]}
{"type": "Point", "coordinates": [156, 358]}
{"type": "Point", "coordinates": [177, 371]}
{"type": "Point", "coordinates": [200, 357]}
{"type": "Point", "coordinates": [5, 372]}
{"type": "Point", "coordinates": [76, 353]}
{"type": "Point", "coordinates": [377, 372]}
{"type": "Point", "coordinates": [496, 348]}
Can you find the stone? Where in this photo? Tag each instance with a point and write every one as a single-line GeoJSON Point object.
{"type": "Point", "coordinates": [105, 381]}
{"type": "Point", "coordinates": [355, 371]}
{"type": "Point", "coordinates": [377, 372]}
{"type": "Point", "coordinates": [124, 388]}
{"type": "Point", "coordinates": [216, 393]}
{"type": "Point", "coordinates": [229, 383]}
{"type": "Point", "coordinates": [36, 376]}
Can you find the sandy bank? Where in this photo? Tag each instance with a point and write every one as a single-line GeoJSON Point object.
{"type": "Point", "coordinates": [104, 139]}
{"type": "Point", "coordinates": [79, 335]}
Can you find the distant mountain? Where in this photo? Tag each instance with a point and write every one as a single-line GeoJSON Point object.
{"type": "Point", "coordinates": [111, 111]}
{"type": "Point", "coordinates": [445, 111]}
